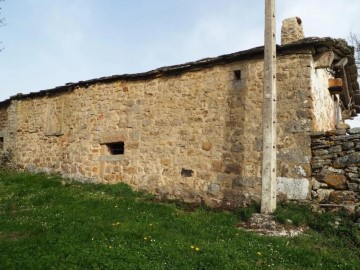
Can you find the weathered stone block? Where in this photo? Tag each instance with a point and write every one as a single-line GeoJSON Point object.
{"type": "Point", "coordinates": [207, 146]}
{"type": "Point", "coordinates": [342, 197]}
{"type": "Point", "coordinates": [113, 136]}
{"type": "Point", "coordinates": [347, 145]}
{"type": "Point", "coordinates": [352, 175]}
{"type": "Point", "coordinates": [335, 149]}
{"type": "Point", "coordinates": [294, 189]}
{"type": "Point", "coordinates": [329, 169]}
{"type": "Point", "coordinates": [320, 152]}
{"type": "Point", "coordinates": [342, 126]}
{"type": "Point", "coordinates": [340, 132]}
{"type": "Point", "coordinates": [132, 145]}
{"type": "Point", "coordinates": [353, 186]}
{"type": "Point", "coordinates": [355, 180]}
{"type": "Point", "coordinates": [241, 181]}
{"type": "Point", "coordinates": [322, 195]}
{"type": "Point", "coordinates": [217, 165]}
{"type": "Point", "coordinates": [232, 168]}
{"type": "Point", "coordinates": [315, 184]}
{"type": "Point", "coordinates": [317, 165]}
{"type": "Point", "coordinates": [316, 134]}
{"type": "Point", "coordinates": [347, 160]}
{"type": "Point", "coordinates": [336, 181]}
{"type": "Point", "coordinates": [167, 162]}
{"type": "Point", "coordinates": [214, 188]}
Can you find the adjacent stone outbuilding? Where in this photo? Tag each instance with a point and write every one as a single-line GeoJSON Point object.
{"type": "Point", "coordinates": [191, 132]}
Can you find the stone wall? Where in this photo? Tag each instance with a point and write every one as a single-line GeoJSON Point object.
{"type": "Point", "coordinates": [336, 167]}
{"type": "Point", "coordinates": [3, 117]}
{"type": "Point", "coordinates": [194, 136]}
{"type": "Point", "coordinates": [324, 107]}
{"type": "Point", "coordinates": [294, 109]}
{"type": "Point", "coordinates": [3, 124]}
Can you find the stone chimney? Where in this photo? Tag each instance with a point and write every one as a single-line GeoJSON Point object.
{"type": "Point", "coordinates": [291, 30]}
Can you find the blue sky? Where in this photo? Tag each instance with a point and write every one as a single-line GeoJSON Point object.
{"type": "Point", "coordinates": [48, 43]}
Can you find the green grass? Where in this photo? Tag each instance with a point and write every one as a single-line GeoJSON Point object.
{"type": "Point", "coordinates": [49, 223]}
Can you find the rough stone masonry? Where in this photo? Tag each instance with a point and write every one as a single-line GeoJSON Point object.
{"type": "Point", "coordinates": [336, 168]}
{"type": "Point", "coordinates": [191, 132]}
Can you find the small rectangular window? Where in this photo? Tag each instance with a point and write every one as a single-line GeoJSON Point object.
{"type": "Point", "coordinates": [116, 148]}
{"type": "Point", "coordinates": [237, 74]}
{"type": "Point", "coordinates": [1, 143]}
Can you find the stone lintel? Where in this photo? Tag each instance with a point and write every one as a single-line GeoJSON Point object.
{"type": "Point", "coordinates": [113, 136]}
{"type": "Point", "coordinates": [112, 158]}
{"type": "Point", "coordinates": [324, 59]}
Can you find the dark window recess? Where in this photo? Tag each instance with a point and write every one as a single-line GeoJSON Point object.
{"type": "Point", "coordinates": [186, 173]}
{"type": "Point", "coordinates": [117, 148]}
{"type": "Point", "coordinates": [237, 74]}
{"type": "Point", "coordinates": [1, 143]}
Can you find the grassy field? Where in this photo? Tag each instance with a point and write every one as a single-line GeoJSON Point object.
{"type": "Point", "coordinates": [50, 223]}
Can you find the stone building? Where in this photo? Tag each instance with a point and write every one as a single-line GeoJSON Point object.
{"type": "Point", "coordinates": [192, 131]}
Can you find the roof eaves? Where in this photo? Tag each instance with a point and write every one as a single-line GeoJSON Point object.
{"type": "Point", "coordinates": [256, 52]}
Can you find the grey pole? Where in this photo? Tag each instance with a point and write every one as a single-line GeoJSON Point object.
{"type": "Point", "coordinates": [268, 196]}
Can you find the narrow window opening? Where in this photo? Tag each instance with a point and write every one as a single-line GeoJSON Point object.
{"type": "Point", "coordinates": [1, 143]}
{"type": "Point", "coordinates": [186, 172]}
{"type": "Point", "coordinates": [237, 74]}
{"type": "Point", "coordinates": [117, 148]}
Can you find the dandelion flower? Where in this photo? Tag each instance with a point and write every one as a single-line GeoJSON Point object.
{"type": "Point", "coordinates": [259, 253]}
{"type": "Point", "coordinates": [197, 249]}
{"type": "Point", "coordinates": [145, 238]}
{"type": "Point", "coordinates": [192, 247]}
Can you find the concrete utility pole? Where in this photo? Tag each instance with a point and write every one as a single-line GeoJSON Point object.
{"type": "Point", "coordinates": [268, 196]}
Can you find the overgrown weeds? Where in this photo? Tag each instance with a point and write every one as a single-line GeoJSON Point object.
{"type": "Point", "coordinates": [339, 223]}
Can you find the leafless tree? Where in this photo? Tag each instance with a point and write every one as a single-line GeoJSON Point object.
{"type": "Point", "coordinates": [354, 40]}
{"type": "Point", "coordinates": [2, 23]}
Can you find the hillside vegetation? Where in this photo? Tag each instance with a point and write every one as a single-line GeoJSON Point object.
{"type": "Point", "coordinates": [51, 223]}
